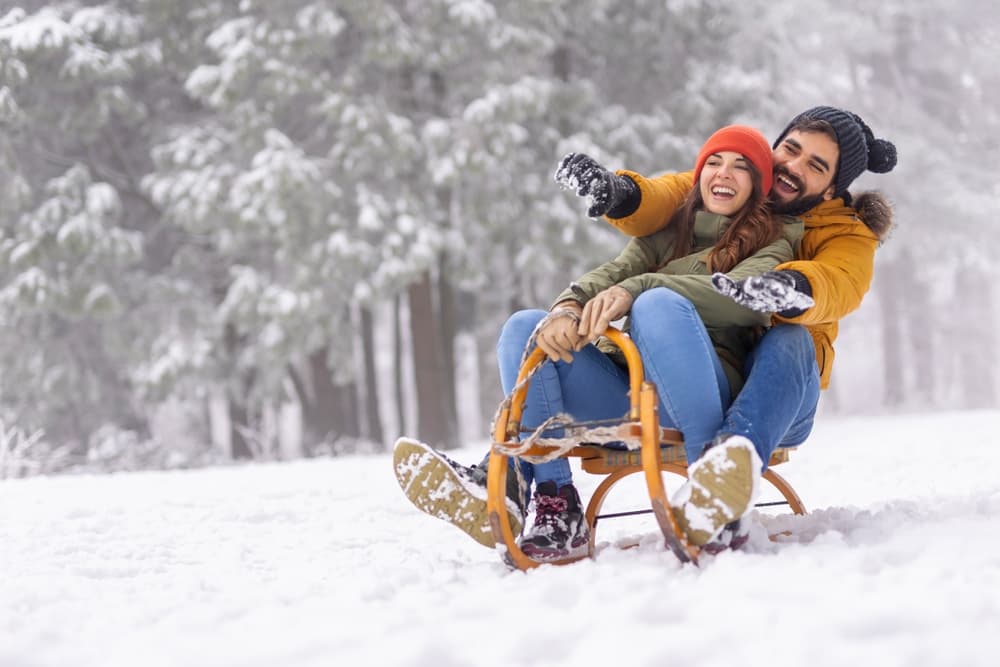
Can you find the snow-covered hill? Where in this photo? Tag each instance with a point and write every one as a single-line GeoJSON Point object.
{"type": "Point", "coordinates": [325, 563]}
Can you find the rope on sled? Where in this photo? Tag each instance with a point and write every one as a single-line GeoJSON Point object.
{"type": "Point", "coordinates": [575, 433]}
{"type": "Point", "coordinates": [528, 347]}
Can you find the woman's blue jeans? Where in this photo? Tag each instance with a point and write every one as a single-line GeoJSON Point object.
{"type": "Point", "coordinates": [677, 355]}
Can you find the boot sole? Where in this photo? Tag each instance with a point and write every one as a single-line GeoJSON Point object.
{"type": "Point", "coordinates": [543, 555]}
{"type": "Point", "coordinates": [712, 493]}
{"type": "Point", "coordinates": [434, 487]}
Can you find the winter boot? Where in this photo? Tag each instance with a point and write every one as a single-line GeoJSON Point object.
{"type": "Point", "coordinates": [722, 486]}
{"type": "Point", "coordinates": [454, 492]}
{"type": "Point", "coordinates": [560, 530]}
{"type": "Point", "coordinates": [731, 538]}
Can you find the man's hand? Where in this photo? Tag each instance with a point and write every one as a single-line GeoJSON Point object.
{"type": "Point", "coordinates": [601, 311]}
{"type": "Point", "coordinates": [783, 292]}
{"type": "Point", "coordinates": [558, 337]}
{"type": "Point", "coordinates": [603, 189]}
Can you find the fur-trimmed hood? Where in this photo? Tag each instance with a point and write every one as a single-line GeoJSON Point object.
{"type": "Point", "coordinates": [876, 212]}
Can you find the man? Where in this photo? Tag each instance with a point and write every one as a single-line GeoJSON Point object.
{"type": "Point", "coordinates": [816, 158]}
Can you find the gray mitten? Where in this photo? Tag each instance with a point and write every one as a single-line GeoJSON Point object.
{"type": "Point", "coordinates": [604, 190]}
{"type": "Point", "coordinates": [787, 293]}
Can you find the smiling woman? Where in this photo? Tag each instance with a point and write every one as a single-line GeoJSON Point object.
{"type": "Point", "coordinates": [733, 173]}
{"type": "Point", "coordinates": [727, 183]}
{"type": "Point", "coordinates": [740, 148]}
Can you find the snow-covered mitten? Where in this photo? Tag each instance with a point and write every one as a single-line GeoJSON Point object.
{"type": "Point", "coordinates": [604, 190]}
{"type": "Point", "coordinates": [787, 293]}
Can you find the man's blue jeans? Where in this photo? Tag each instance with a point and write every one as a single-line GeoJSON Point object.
{"type": "Point", "coordinates": [777, 405]}
{"type": "Point", "coordinates": [678, 357]}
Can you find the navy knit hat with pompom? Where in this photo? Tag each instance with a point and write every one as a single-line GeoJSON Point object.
{"type": "Point", "coordinates": [859, 149]}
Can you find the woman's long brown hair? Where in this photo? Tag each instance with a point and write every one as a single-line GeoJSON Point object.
{"type": "Point", "coordinates": [752, 228]}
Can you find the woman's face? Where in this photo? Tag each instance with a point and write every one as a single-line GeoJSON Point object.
{"type": "Point", "coordinates": [726, 182]}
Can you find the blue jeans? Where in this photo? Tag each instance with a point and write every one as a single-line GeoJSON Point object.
{"type": "Point", "coordinates": [777, 405]}
{"type": "Point", "coordinates": [678, 357]}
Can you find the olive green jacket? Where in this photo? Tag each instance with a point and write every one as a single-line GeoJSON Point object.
{"type": "Point", "coordinates": [643, 265]}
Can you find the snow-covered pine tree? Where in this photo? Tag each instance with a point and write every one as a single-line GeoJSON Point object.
{"type": "Point", "coordinates": [71, 232]}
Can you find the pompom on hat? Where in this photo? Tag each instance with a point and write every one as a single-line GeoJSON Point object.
{"type": "Point", "coordinates": [746, 141]}
{"type": "Point", "coordinates": [859, 149]}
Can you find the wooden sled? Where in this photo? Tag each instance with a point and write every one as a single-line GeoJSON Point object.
{"type": "Point", "coordinates": [661, 450]}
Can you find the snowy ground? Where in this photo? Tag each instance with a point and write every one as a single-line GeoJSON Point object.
{"type": "Point", "coordinates": [326, 563]}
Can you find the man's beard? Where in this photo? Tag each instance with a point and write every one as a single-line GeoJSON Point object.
{"type": "Point", "coordinates": [797, 206]}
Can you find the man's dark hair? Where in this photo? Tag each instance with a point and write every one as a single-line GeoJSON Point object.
{"type": "Point", "coordinates": [859, 149]}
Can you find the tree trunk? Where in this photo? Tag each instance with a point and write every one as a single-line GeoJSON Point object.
{"type": "Point", "coordinates": [397, 363]}
{"type": "Point", "coordinates": [370, 403]}
{"type": "Point", "coordinates": [239, 420]}
{"type": "Point", "coordinates": [892, 339]}
{"type": "Point", "coordinates": [446, 342]}
{"type": "Point", "coordinates": [291, 444]}
{"type": "Point", "coordinates": [469, 414]}
{"type": "Point", "coordinates": [219, 421]}
{"type": "Point", "coordinates": [921, 348]}
{"type": "Point", "coordinates": [977, 355]}
{"type": "Point", "coordinates": [344, 398]}
{"type": "Point", "coordinates": [433, 424]}
{"type": "Point", "coordinates": [239, 411]}
{"type": "Point", "coordinates": [329, 411]}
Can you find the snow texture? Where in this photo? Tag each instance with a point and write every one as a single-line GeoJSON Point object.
{"type": "Point", "coordinates": [325, 562]}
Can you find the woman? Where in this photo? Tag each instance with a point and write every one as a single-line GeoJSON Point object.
{"type": "Point", "coordinates": [692, 339]}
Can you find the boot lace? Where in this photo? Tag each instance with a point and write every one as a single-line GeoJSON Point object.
{"type": "Point", "coordinates": [549, 510]}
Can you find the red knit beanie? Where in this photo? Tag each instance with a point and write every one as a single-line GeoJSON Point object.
{"type": "Point", "coordinates": [747, 141]}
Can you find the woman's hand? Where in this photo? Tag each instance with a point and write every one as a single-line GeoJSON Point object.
{"type": "Point", "coordinates": [558, 337]}
{"type": "Point", "coordinates": [601, 311]}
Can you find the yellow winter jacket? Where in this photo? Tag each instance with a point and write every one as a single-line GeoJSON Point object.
{"type": "Point", "coordinates": [836, 254]}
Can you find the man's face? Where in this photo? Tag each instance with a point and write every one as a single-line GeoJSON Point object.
{"type": "Point", "coordinates": [804, 169]}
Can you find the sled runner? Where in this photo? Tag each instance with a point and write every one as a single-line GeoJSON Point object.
{"type": "Point", "coordinates": [651, 450]}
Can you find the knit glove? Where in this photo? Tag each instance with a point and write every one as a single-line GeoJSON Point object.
{"type": "Point", "coordinates": [604, 190]}
{"type": "Point", "coordinates": [787, 293]}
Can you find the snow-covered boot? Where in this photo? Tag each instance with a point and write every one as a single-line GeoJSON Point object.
{"type": "Point", "coordinates": [560, 530]}
{"type": "Point", "coordinates": [721, 488]}
{"type": "Point", "coordinates": [453, 492]}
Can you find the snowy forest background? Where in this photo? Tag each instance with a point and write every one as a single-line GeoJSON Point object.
{"type": "Point", "coordinates": [281, 229]}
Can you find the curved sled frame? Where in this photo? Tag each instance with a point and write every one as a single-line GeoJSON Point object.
{"type": "Point", "coordinates": [662, 450]}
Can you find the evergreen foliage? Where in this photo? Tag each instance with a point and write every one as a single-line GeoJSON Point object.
{"type": "Point", "coordinates": [211, 199]}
